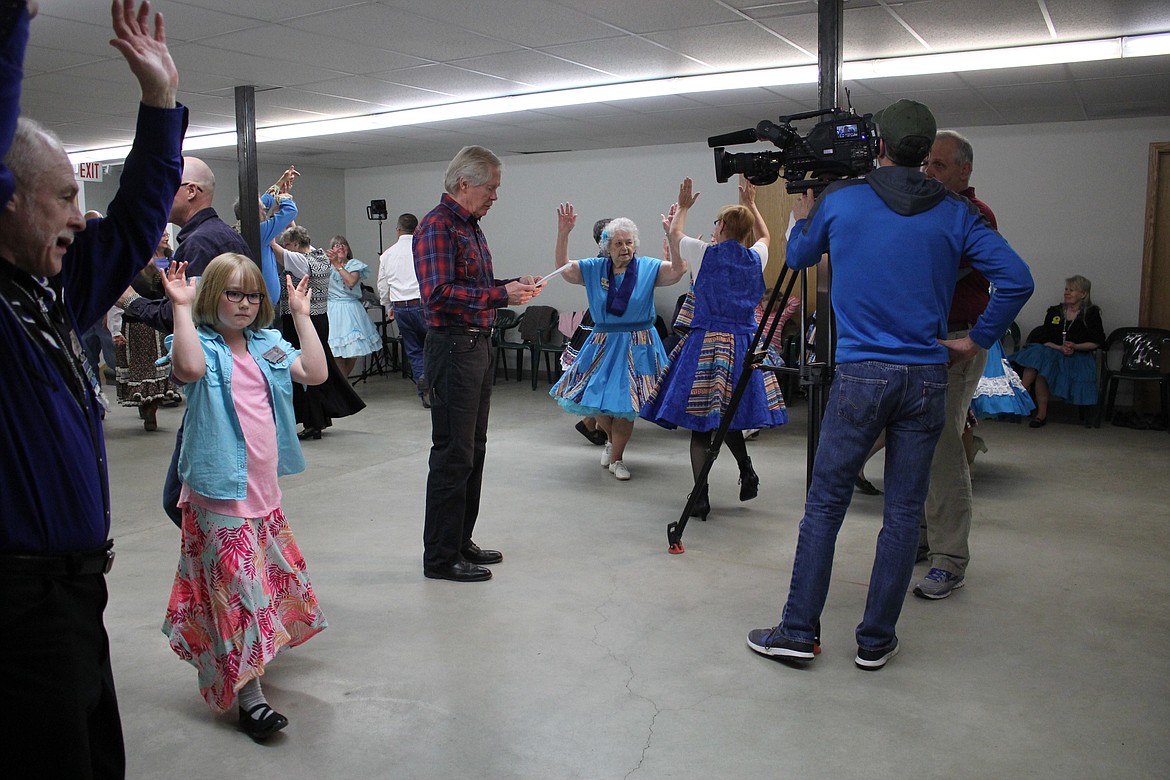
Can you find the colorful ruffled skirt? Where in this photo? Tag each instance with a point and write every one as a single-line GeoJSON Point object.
{"type": "Point", "coordinates": [241, 593]}
{"type": "Point", "coordinates": [701, 376]}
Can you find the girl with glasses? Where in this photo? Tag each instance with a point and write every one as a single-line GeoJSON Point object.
{"type": "Point", "coordinates": [241, 591]}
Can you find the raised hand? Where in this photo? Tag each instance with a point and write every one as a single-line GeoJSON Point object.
{"type": "Point", "coordinates": [177, 286]}
{"type": "Point", "coordinates": [687, 198]}
{"type": "Point", "coordinates": [299, 296]}
{"type": "Point", "coordinates": [566, 218]}
{"type": "Point", "coordinates": [285, 182]}
{"type": "Point", "coordinates": [747, 192]}
{"type": "Point", "coordinates": [668, 217]}
{"type": "Point", "coordinates": [146, 53]}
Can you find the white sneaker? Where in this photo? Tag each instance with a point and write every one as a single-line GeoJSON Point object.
{"type": "Point", "coordinates": [605, 456]}
{"type": "Point", "coordinates": [619, 470]}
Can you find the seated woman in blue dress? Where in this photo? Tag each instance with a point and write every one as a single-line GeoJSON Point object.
{"type": "Point", "coordinates": [622, 360]}
{"type": "Point", "coordinates": [1059, 361]}
{"type": "Point", "coordinates": [706, 365]}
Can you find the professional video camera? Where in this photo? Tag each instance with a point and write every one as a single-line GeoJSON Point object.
{"type": "Point", "coordinates": [840, 147]}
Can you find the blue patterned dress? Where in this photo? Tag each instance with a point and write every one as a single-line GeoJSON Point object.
{"type": "Point", "coordinates": [351, 332]}
{"type": "Point", "coordinates": [705, 366]}
{"type": "Point", "coordinates": [623, 359]}
{"type": "Point", "coordinates": [1000, 390]}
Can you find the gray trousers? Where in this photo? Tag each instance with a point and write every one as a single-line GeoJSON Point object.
{"type": "Point", "coordinates": [947, 522]}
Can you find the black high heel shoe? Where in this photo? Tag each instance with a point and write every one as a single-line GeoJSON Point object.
{"type": "Point", "coordinates": [309, 433]}
{"type": "Point", "coordinates": [702, 506]}
{"type": "Point", "coordinates": [749, 481]}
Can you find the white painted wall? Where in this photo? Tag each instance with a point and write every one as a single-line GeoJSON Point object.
{"type": "Point", "coordinates": [1070, 197]}
{"type": "Point", "coordinates": [319, 194]}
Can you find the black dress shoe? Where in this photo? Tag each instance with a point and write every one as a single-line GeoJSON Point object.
{"type": "Point", "coordinates": [596, 436]}
{"type": "Point", "coordinates": [261, 722]}
{"type": "Point", "coordinates": [473, 554]}
{"type": "Point", "coordinates": [463, 571]}
{"type": "Point", "coordinates": [749, 481]}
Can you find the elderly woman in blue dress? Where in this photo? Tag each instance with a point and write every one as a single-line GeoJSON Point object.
{"type": "Point", "coordinates": [622, 361]}
{"type": "Point", "coordinates": [351, 332]}
{"type": "Point", "coordinates": [1059, 361]}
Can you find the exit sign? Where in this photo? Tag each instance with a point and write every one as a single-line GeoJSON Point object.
{"type": "Point", "coordinates": [89, 171]}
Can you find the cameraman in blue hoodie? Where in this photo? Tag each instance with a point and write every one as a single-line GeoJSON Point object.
{"type": "Point", "coordinates": [895, 239]}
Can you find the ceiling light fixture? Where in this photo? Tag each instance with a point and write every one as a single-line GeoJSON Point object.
{"type": "Point", "coordinates": [1151, 45]}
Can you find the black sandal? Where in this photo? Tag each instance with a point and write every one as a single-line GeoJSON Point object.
{"type": "Point", "coordinates": [263, 727]}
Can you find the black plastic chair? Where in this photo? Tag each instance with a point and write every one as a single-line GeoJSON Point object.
{"type": "Point", "coordinates": [550, 344]}
{"type": "Point", "coordinates": [1010, 340]}
{"type": "Point", "coordinates": [507, 320]}
{"type": "Point", "coordinates": [538, 327]}
{"type": "Point", "coordinates": [1135, 355]}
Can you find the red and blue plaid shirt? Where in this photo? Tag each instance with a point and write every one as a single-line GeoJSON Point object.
{"type": "Point", "coordinates": [454, 268]}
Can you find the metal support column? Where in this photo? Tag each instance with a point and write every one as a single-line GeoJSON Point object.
{"type": "Point", "coordinates": [246, 162]}
{"type": "Point", "coordinates": [830, 40]}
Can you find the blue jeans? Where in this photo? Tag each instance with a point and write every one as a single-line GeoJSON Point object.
{"type": "Point", "coordinates": [173, 485]}
{"type": "Point", "coordinates": [460, 368]}
{"type": "Point", "coordinates": [909, 403]}
{"type": "Point", "coordinates": [412, 326]}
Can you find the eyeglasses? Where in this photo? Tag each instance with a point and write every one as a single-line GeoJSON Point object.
{"type": "Point", "coordinates": [235, 296]}
{"type": "Point", "coordinates": [191, 184]}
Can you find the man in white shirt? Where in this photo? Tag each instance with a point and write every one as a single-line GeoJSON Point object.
{"type": "Point", "coordinates": [399, 293]}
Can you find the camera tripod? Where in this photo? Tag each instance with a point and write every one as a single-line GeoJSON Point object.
{"type": "Point", "coordinates": [813, 375]}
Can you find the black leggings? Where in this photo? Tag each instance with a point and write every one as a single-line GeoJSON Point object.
{"type": "Point", "coordinates": [701, 440]}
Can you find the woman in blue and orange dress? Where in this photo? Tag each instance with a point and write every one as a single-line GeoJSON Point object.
{"type": "Point", "coordinates": [706, 365]}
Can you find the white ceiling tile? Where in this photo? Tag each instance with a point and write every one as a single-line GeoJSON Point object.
{"type": "Point", "coordinates": [286, 44]}
{"type": "Point", "coordinates": [974, 24]}
{"type": "Point", "coordinates": [383, 27]}
{"type": "Point", "coordinates": [735, 46]}
{"type": "Point", "coordinates": [628, 57]}
{"type": "Point", "coordinates": [453, 81]}
{"type": "Point", "coordinates": [535, 67]}
{"type": "Point", "coordinates": [545, 23]}
{"type": "Point", "coordinates": [656, 17]}
{"type": "Point", "coordinates": [1083, 19]}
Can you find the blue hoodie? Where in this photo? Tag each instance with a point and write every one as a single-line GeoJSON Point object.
{"type": "Point", "coordinates": [895, 239]}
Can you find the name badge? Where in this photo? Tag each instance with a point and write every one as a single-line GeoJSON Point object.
{"type": "Point", "coordinates": [275, 355]}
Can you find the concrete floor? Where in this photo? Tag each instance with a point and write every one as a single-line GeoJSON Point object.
{"type": "Point", "coordinates": [595, 654]}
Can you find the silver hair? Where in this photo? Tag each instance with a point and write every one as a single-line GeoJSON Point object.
{"type": "Point", "coordinates": [296, 235]}
{"type": "Point", "coordinates": [31, 151]}
{"type": "Point", "coordinates": [964, 154]}
{"type": "Point", "coordinates": [619, 225]}
{"type": "Point", "coordinates": [475, 164]}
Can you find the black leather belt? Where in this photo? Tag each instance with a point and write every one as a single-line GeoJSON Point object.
{"type": "Point", "coordinates": [470, 330]}
{"type": "Point", "coordinates": [98, 561]}
{"type": "Point", "coordinates": [411, 302]}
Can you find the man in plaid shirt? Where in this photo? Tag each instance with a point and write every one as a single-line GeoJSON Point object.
{"type": "Point", "coordinates": [460, 296]}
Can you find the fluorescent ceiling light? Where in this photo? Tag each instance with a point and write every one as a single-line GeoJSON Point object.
{"type": "Point", "coordinates": [1145, 45]}
{"type": "Point", "coordinates": [923, 64]}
